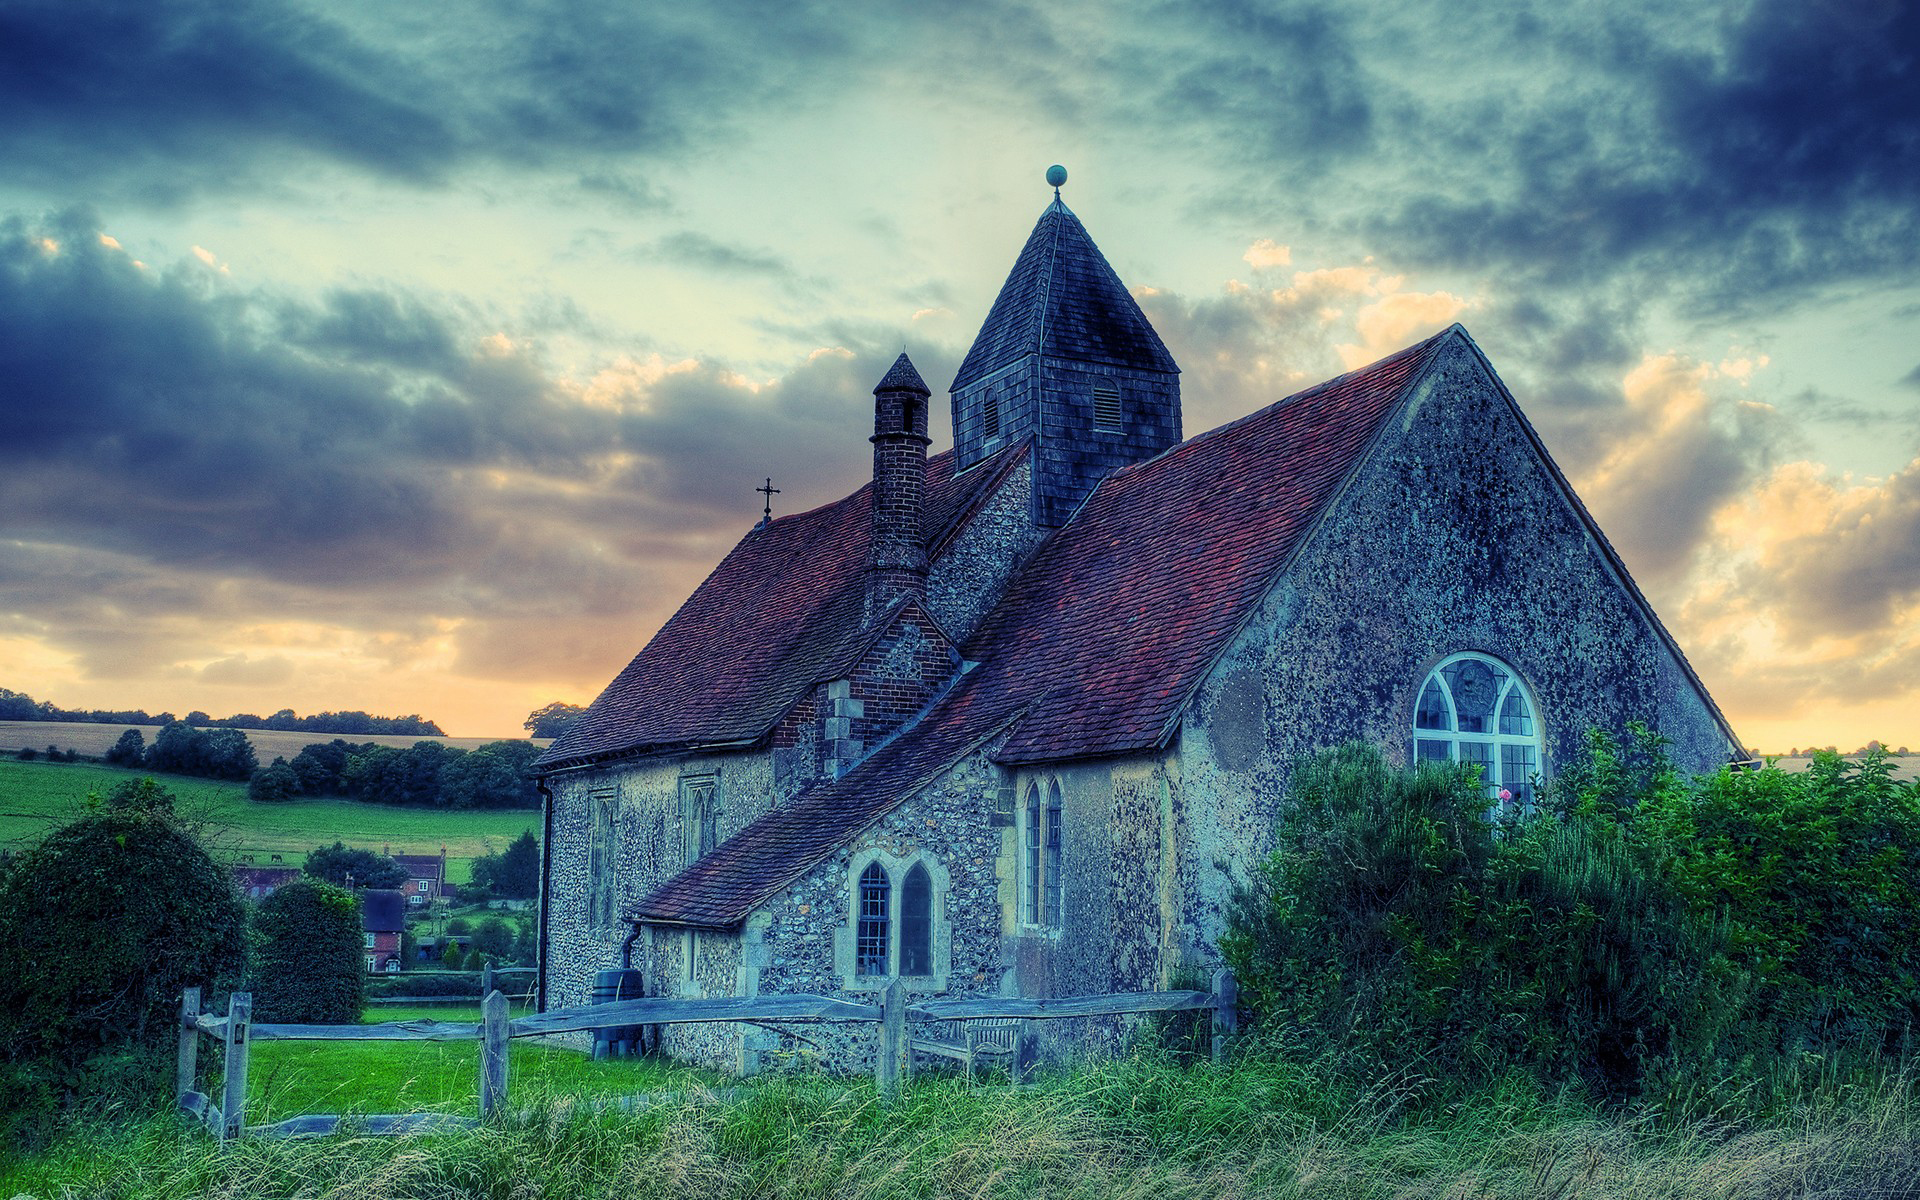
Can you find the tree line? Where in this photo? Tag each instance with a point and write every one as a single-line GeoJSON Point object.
{"type": "Point", "coordinates": [423, 775]}
{"type": "Point", "coordinates": [18, 706]}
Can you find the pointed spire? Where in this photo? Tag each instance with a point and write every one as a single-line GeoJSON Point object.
{"type": "Point", "coordinates": [901, 377]}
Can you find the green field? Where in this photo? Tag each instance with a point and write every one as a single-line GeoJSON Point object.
{"type": "Point", "coordinates": [37, 796]}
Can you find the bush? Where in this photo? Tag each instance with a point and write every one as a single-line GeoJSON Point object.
{"type": "Point", "coordinates": [1403, 927]}
{"type": "Point", "coordinates": [101, 927]}
{"type": "Point", "coordinates": [309, 955]}
{"type": "Point", "coordinates": [1640, 928]}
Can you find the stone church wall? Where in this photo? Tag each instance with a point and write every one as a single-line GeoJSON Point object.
{"type": "Point", "coordinates": [1452, 536]}
{"type": "Point", "coordinates": [967, 578]}
{"type": "Point", "coordinates": [645, 851]}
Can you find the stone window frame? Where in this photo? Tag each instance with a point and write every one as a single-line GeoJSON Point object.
{"type": "Point", "coordinates": [940, 940]}
{"type": "Point", "coordinates": [1040, 834]}
{"type": "Point", "coordinates": [1512, 752]}
{"type": "Point", "coordinates": [701, 809]}
{"type": "Point", "coordinates": [603, 833]}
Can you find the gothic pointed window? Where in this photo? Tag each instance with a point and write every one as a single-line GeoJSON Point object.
{"type": "Point", "coordinates": [1474, 709]}
{"type": "Point", "coordinates": [699, 816]}
{"type": "Point", "coordinates": [1042, 884]}
{"type": "Point", "coordinates": [873, 933]}
{"type": "Point", "coordinates": [916, 922]}
{"type": "Point", "coordinates": [1030, 910]}
{"type": "Point", "coordinates": [1052, 877]}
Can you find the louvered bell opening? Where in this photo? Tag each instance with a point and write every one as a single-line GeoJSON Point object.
{"type": "Point", "coordinates": [990, 417]}
{"type": "Point", "coordinates": [1106, 406]}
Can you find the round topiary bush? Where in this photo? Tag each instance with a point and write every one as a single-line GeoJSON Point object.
{"type": "Point", "coordinates": [105, 922]}
{"type": "Point", "coordinates": [102, 925]}
{"type": "Point", "coordinates": [309, 956]}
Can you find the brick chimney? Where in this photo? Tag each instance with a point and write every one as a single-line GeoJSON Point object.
{"type": "Point", "coordinates": [896, 560]}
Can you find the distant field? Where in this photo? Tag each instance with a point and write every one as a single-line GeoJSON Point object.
{"type": "Point", "coordinates": [1903, 768]}
{"type": "Point", "coordinates": [36, 796]}
{"type": "Point", "coordinates": [95, 740]}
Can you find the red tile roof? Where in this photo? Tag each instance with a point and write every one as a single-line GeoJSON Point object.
{"type": "Point", "coordinates": [1102, 635]}
{"type": "Point", "coordinates": [774, 618]}
{"type": "Point", "coordinates": [1112, 623]}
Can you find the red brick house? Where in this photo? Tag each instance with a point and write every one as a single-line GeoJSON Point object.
{"type": "Point", "coordinates": [383, 918]}
{"type": "Point", "coordinates": [426, 877]}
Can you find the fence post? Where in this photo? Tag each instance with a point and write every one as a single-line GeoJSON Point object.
{"type": "Point", "coordinates": [893, 1038]}
{"type": "Point", "coordinates": [186, 1077]}
{"type": "Point", "coordinates": [1026, 1054]}
{"type": "Point", "coordinates": [233, 1099]}
{"type": "Point", "coordinates": [486, 977]}
{"type": "Point", "coordinates": [1226, 1013]}
{"type": "Point", "coordinates": [493, 1054]}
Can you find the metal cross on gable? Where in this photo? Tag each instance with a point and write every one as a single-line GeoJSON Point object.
{"type": "Point", "coordinates": [769, 491]}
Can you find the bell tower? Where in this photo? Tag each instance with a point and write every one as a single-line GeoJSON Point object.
{"type": "Point", "coordinates": [1065, 358]}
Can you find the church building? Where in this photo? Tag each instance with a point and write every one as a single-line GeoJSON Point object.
{"type": "Point", "coordinates": [1009, 718]}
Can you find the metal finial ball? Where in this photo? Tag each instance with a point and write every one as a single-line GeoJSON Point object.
{"type": "Point", "coordinates": [1056, 175]}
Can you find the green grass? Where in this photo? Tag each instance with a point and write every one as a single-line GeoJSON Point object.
{"type": "Point", "coordinates": [37, 796]}
{"type": "Point", "coordinates": [289, 1079]}
{"type": "Point", "coordinates": [1131, 1130]}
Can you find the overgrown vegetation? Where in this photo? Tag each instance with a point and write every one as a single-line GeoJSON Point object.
{"type": "Point", "coordinates": [1274, 1124]}
{"type": "Point", "coordinates": [101, 927]}
{"type": "Point", "coordinates": [1641, 933]}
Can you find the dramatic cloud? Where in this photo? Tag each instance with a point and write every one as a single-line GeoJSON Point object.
{"type": "Point", "coordinates": [167, 99]}
{"type": "Point", "coordinates": [188, 461]}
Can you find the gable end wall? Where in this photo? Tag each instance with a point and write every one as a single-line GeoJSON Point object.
{"type": "Point", "coordinates": [1451, 536]}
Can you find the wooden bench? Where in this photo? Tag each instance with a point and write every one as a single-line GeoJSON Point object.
{"type": "Point", "coordinates": [986, 1038]}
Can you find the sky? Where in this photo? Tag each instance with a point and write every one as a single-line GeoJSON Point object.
{"type": "Point", "coordinates": [423, 358]}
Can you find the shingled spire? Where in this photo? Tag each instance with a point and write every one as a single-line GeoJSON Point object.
{"type": "Point", "coordinates": [1067, 358]}
{"type": "Point", "coordinates": [896, 558]}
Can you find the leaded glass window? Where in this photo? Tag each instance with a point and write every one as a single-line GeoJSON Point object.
{"type": "Point", "coordinates": [870, 935]}
{"type": "Point", "coordinates": [1473, 709]}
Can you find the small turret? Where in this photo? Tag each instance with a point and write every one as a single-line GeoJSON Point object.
{"type": "Point", "coordinates": [896, 558]}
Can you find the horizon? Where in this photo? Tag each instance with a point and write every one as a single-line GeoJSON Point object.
{"type": "Point", "coordinates": [362, 362]}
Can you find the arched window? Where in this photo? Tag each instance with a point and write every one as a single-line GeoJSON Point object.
{"type": "Point", "coordinates": [1474, 709]}
{"type": "Point", "coordinates": [896, 924]}
{"type": "Point", "coordinates": [1042, 885]}
{"type": "Point", "coordinates": [1051, 873]}
{"type": "Point", "coordinates": [1033, 859]}
{"type": "Point", "coordinates": [870, 941]}
{"type": "Point", "coordinates": [916, 922]}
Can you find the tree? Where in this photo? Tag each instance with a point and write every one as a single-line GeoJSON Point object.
{"type": "Point", "coordinates": [129, 751]}
{"type": "Point", "coordinates": [514, 873]}
{"type": "Point", "coordinates": [319, 765]}
{"type": "Point", "coordinates": [452, 957]}
{"type": "Point", "coordinates": [273, 783]}
{"type": "Point", "coordinates": [496, 775]}
{"type": "Point", "coordinates": [309, 956]}
{"type": "Point", "coordinates": [384, 775]}
{"type": "Point", "coordinates": [494, 939]}
{"type": "Point", "coordinates": [101, 926]}
{"type": "Point", "coordinates": [343, 866]}
{"type": "Point", "coordinates": [552, 720]}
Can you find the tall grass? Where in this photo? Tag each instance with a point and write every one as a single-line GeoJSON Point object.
{"type": "Point", "coordinates": [1140, 1129]}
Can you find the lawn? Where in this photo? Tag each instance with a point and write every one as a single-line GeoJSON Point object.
{"type": "Point", "coordinates": [289, 1079]}
{"type": "Point", "coordinates": [36, 796]}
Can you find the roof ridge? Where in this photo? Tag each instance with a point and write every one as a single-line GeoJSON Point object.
{"type": "Point", "coordinates": [1286, 401]}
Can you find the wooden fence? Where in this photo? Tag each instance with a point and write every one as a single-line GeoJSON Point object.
{"type": "Point", "coordinates": [237, 1032]}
